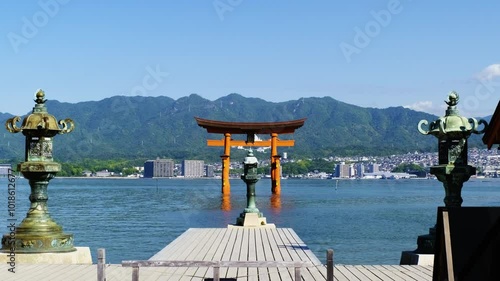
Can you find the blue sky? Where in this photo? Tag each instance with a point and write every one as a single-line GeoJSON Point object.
{"type": "Point", "coordinates": [368, 53]}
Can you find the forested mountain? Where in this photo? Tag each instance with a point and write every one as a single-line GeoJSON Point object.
{"type": "Point", "coordinates": [149, 127]}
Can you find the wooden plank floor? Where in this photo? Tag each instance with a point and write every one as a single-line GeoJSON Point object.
{"type": "Point", "coordinates": [224, 244]}
{"type": "Point", "coordinates": [242, 244]}
{"type": "Point", "coordinates": [115, 272]}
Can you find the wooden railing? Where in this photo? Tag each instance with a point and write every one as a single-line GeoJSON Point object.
{"type": "Point", "coordinates": [216, 265]}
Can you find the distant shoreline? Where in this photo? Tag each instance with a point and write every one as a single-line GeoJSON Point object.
{"type": "Point", "coordinates": [126, 178]}
{"type": "Point", "coordinates": [136, 178]}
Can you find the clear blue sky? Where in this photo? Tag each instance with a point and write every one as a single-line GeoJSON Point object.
{"type": "Point", "coordinates": [410, 53]}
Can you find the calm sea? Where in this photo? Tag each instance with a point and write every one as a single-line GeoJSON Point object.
{"type": "Point", "coordinates": [364, 221]}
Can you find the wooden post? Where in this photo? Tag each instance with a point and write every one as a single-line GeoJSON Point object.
{"type": "Point", "coordinates": [226, 163]}
{"type": "Point", "coordinates": [329, 265]}
{"type": "Point", "coordinates": [275, 165]}
{"type": "Point", "coordinates": [216, 273]}
{"type": "Point", "coordinates": [447, 244]}
{"type": "Point", "coordinates": [297, 274]}
{"type": "Point", "coordinates": [135, 273]}
{"type": "Point", "coordinates": [101, 264]}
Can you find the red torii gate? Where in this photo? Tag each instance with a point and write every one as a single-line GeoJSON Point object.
{"type": "Point", "coordinates": [251, 129]}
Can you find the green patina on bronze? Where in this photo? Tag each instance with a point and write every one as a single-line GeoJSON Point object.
{"type": "Point", "coordinates": [452, 132]}
{"type": "Point", "coordinates": [250, 177]}
{"type": "Point", "coordinates": [38, 232]}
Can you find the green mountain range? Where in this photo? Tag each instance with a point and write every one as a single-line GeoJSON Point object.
{"type": "Point", "coordinates": [123, 127]}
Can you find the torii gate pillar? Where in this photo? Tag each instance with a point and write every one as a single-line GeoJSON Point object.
{"type": "Point", "coordinates": [275, 165]}
{"type": "Point", "coordinates": [226, 164]}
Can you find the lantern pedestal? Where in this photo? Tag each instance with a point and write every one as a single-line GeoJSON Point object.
{"type": "Point", "coordinates": [251, 220]}
{"type": "Point", "coordinates": [38, 232]}
{"type": "Point", "coordinates": [424, 254]}
{"type": "Point", "coordinates": [251, 216]}
{"type": "Point", "coordinates": [81, 255]}
{"type": "Point", "coordinates": [453, 178]}
{"type": "Point", "coordinates": [410, 257]}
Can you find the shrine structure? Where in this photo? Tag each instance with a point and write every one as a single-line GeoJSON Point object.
{"type": "Point", "coordinates": [492, 134]}
{"type": "Point", "coordinates": [250, 129]}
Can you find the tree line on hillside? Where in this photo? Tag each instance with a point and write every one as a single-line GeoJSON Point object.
{"type": "Point", "coordinates": [131, 128]}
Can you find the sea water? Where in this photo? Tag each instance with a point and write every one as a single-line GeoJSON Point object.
{"type": "Point", "coordinates": [364, 221]}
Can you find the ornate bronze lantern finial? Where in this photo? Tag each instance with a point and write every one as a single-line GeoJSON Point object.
{"type": "Point", "coordinates": [40, 95]}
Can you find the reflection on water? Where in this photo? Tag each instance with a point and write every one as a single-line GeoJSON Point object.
{"type": "Point", "coordinates": [274, 200]}
{"type": "Point", "coordinates": [225, 204]}
{"type": "Point", "coordinates": [276, 203]}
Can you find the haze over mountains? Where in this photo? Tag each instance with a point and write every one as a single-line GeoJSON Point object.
{"type": "Point", "coordinates": [150, 127]}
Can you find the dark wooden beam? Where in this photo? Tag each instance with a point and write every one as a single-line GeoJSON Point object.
{"type": "Point", "coordinates": [492, 133]}
{"type": "Point", "coordinates": [222, 127]}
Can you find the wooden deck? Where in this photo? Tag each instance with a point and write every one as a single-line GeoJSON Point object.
{"type": "Point", "coordinates": [242, 244]}
{"type": "Point", "coordinates": [225, 244]}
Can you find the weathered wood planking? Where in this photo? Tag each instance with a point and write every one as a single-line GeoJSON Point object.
{"type": "Point", "coordinates": [242, 244]}
{"type": "Point", "coordinates": [202, 272]}
{"type": "Point", "coordinates": [278, 255]}
{"type": "Point", "coordinates": [116, 272]}
{"type": "Point", "coordinates": [318, 272]}
{"type": "Point", "coordinates": [198, 254]}
{"type": "Point", "coordinates": [180, 250]}
{"type": "Point", "coordinates": [225, 244]}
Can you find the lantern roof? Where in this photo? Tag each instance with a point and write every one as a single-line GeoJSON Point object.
{"type": "Point", "coordinates": [250, 158]}
{"type": "Point", "coordinates": [40, 122]}
{"type": "Point", "coordinates": [452, 125]}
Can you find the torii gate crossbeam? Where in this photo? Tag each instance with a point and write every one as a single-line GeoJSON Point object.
{"type": "Point", "coordinates": [251, 129]}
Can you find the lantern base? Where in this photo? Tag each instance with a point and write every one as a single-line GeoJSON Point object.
{"type": "Point", "coordinates": [30, 243]}
{"type": "Point", "coordinates": [81, 255]}
{"type": "Point", "coordinates": [412, 258]}
{"type": "Point", "coordinates": [251, 219]}
{"type": "Point", "coordinates": [426, 242]}
{"type": "Point", "coordinates": [424, 254]}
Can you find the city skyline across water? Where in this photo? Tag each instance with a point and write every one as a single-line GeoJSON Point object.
{"type": "Point", "coordinates": [487, 162]}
